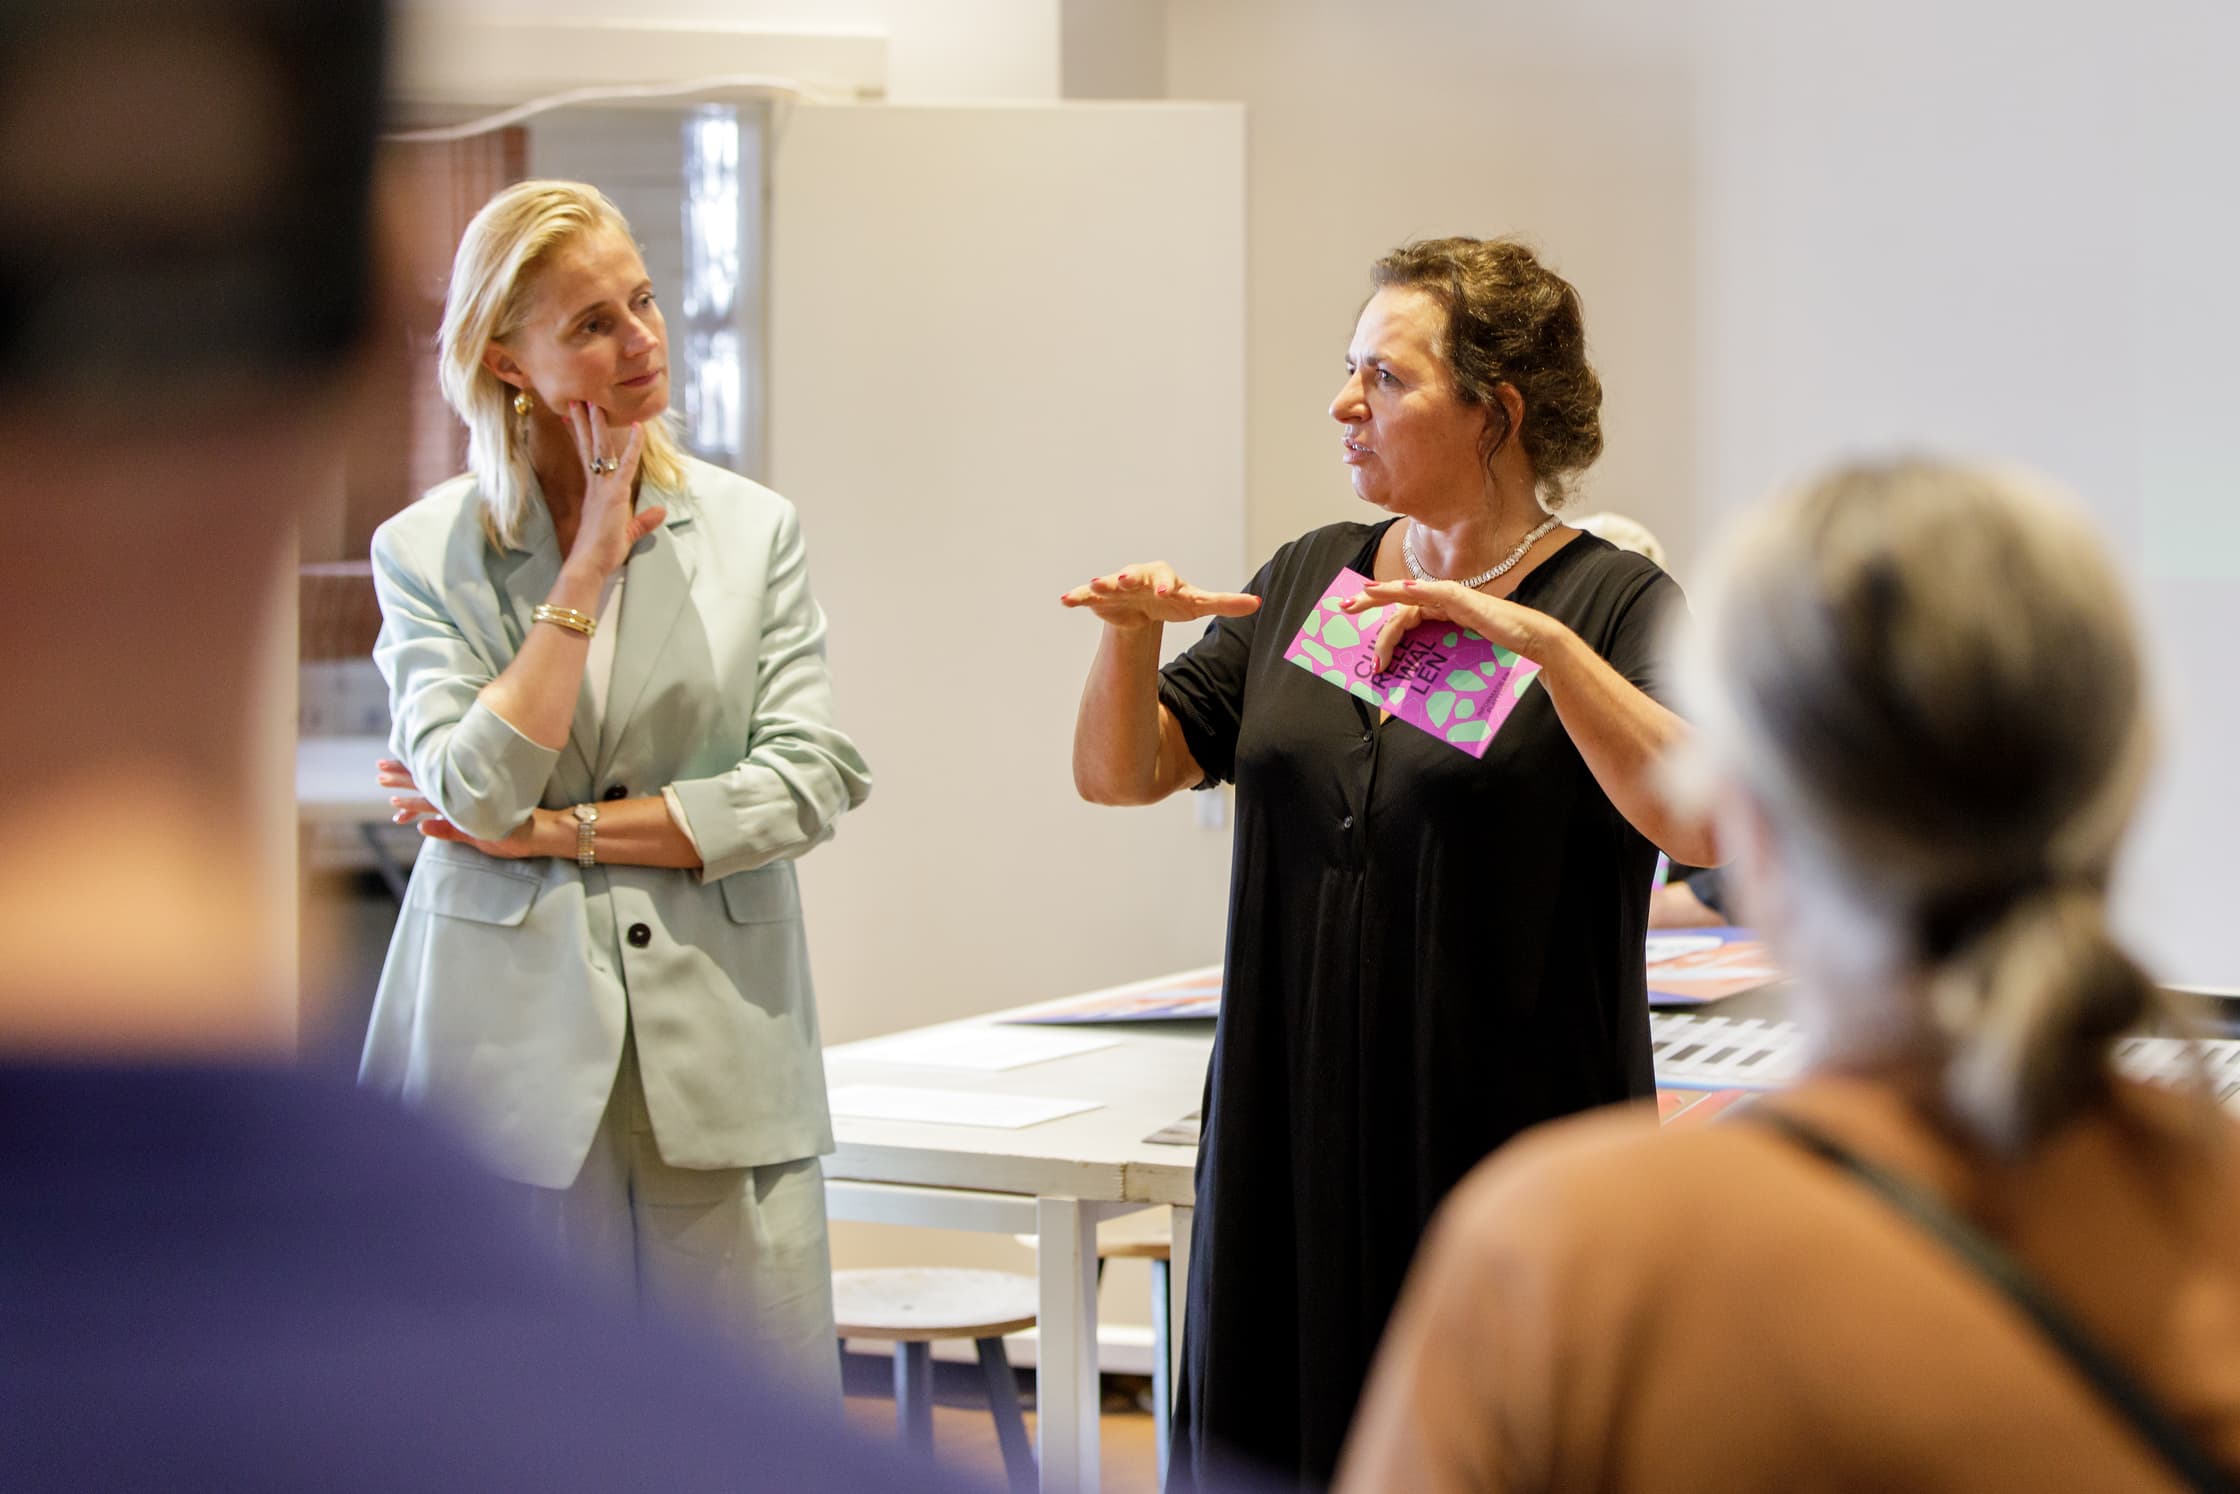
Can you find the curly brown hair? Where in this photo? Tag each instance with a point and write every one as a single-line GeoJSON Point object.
{"type": "Point", "coordinates": [1511, 320]}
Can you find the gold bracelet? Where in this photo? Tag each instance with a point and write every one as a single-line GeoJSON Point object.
{"type": "Point", "coordinates": [565, 617]}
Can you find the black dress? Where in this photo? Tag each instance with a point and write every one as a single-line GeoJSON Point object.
{"type": "Point", "coordinates": [1427, 954]}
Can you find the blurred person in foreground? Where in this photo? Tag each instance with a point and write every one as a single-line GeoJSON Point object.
{"type": "Point", "coordinates": [216, 1271]}
{"type": "Point", "coordinates": [1922, 730]}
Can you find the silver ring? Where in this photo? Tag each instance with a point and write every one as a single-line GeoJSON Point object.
{"type": "Point", "coordinates": [601, 466]}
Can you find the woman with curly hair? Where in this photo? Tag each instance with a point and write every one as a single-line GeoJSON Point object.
{"type": "Point", "coordinates": [1429, 950]}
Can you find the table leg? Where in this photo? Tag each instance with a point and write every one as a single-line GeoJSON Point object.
{"type": "Point", "coordinates": [1066, 1389]}
{"type": "Point", "coordinates": [1162, 1362]}
{"type": "Point", "coordinates": [913, 1395]}
{"type": "Point", "coordinates": [1177, 1287]}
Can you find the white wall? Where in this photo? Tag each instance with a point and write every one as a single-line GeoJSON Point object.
{"type": "Point", "coordinates": [1571, 124]}
{"type": "Point", "coordinates": [2015, 242]}
{"type": "Point", "coordinates": [1113, 49]}
{"type": "Point", "coordinates": [938, 49]}
{"type": "Point", "coordinates": [1007, 353]}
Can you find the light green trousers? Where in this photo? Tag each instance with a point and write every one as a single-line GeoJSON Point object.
{"type": "Point", "coordinates": [740, 1250]}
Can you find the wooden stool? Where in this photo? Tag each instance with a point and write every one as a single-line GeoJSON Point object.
{"type": "Point", "coordinates": [1146, 1235]}
{"type": "Point", "coordinates": [911, 1308]}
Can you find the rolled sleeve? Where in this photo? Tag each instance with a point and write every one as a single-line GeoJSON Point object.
{"type": "Point", "coordinates": [491, 775]}
{"type": "Point", "coordinates": [483, 775]}
{"type": "Point", "coordinates": [1203, 688]}
{"type": "Point", "coordinates": [801, 773]}
{"type": "Point", "coordinates": [675, 809]}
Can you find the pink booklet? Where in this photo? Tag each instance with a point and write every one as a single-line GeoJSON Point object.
{"type": "Point", "coordinates": [1445, 680]}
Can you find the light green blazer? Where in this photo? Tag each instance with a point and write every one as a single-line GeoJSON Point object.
{"type": "Point", "coordinates": [507, 983]}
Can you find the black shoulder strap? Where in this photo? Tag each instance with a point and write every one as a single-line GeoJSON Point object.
{"type": "Point", "coordinates": [1984, 1256]}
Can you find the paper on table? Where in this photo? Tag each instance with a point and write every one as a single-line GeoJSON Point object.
{"type": "Point", "coordinates": [949, 1107]}
{"type": "Point", "coordinates": [1448, 681]}
{"type": "Point", "coordinates": [1192, 995]}
{"type": "Point", "coordinates": [1184, 1132]}
{"type": "Point", "coordinates": [1663, 947]}
{"type": "Point", "coordinates": [1692, 1107]}
{"type": "Point", "coordinates": [1700, 965]}
{"type": "Point", "coordinates": [985, 1049]}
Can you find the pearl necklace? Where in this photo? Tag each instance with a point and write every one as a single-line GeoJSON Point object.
{"type": "Point", "coordinates": [1415, 566]}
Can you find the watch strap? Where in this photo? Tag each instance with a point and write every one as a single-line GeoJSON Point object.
{"type": "Point", "coordinates": [587, 836]}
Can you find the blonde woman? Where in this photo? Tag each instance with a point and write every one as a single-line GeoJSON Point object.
{"type": "Point", "coordinates": [1918, 698]}
{"type": "Point", "coordinates": [613, 722]}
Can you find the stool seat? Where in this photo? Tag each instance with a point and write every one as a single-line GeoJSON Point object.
{"type": "Point", "coordinates": [1146, 1235]}
{"type": "Point", "coordinates": [918, 1305]}
{"type": "Point", "coordinates": [910, 1307]}
{"type": "Point", "coordinates": [1135, 1250]}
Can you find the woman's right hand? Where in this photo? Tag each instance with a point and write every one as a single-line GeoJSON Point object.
{"type": "Point", "coordinates": [610, 525]}
{"type": "Point", "coordinates": [1140, 596]}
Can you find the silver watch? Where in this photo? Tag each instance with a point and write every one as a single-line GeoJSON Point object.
{"type": "Point", "coordinates": [587, 834]}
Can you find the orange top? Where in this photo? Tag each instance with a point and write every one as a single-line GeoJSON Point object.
{"type": "Point", "coordinates": [1600, 1307]}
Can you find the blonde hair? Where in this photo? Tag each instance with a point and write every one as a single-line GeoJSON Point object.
{"type": "Point", "coordinates": [1624, 531]}
{"type": "Point", "coordinates": [1929, 677]}
{"type": "Point", "coordinates": [493, 280]}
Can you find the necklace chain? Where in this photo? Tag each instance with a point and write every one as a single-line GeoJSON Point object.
{"type": "Point", "coordinates": [1415, 566]}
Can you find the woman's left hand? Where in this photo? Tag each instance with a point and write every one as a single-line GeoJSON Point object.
{"type": "Point", "coordinates": [414, 809]}
{"type": "Point", "coordinates": [1516, 628]}
{"type": "Point", "coordinates": [1621, 732]}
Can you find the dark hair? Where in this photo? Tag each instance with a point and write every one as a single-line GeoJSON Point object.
{"type": "Point", "coordinates": [1511, 320]}
{"type": "Point", "coordinates": [285, 274]}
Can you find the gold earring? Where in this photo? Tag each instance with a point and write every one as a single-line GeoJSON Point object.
{"type": "Point", "coordinates": [522, 404]}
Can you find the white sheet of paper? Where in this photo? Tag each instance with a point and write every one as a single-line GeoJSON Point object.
{"type": "Point", "coordinates": [949, 1107]}
{"type": "Point", "coordinates": [986, 1049]}
{"type": "Point", "coordinates": [1664, 947]}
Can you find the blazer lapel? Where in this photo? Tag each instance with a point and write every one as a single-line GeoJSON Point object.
{"type": "Point", "coordinates": [526, 577]}
{"type": "Point", "coordinates": [654, 596]}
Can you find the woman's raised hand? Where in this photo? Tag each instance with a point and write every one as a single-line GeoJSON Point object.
{"type": "Point", "coordinates": [1517, 628]}
{"type": "Point", "coordinates": [608, 529]}
{"type": "Point", "coordinates": [1145, 595]}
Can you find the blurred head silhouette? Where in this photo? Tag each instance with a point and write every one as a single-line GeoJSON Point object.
{"type": "Point", "coordinates": [1922, 693]}
{"type": "Point", "coordinates": [1622, 530]}
{"type": "Point", "coordinates": [185, 289]}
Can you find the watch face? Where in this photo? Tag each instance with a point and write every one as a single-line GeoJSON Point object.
{"type": "Point", "coordinates": [586, 813]}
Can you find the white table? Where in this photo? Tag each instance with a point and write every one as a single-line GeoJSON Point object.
{"type": "Point", "coordinates": [1058, 1179]}
{"type": "Point", "coordinates": [335, 786]}
{"type": "Point", "coordinates": [1055, 1180]}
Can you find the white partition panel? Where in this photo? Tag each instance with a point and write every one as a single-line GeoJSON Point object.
{"type": "Point", "coordinates": [1007, 352]}
{"type": "Point", "coordinates": [2016, 242]}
